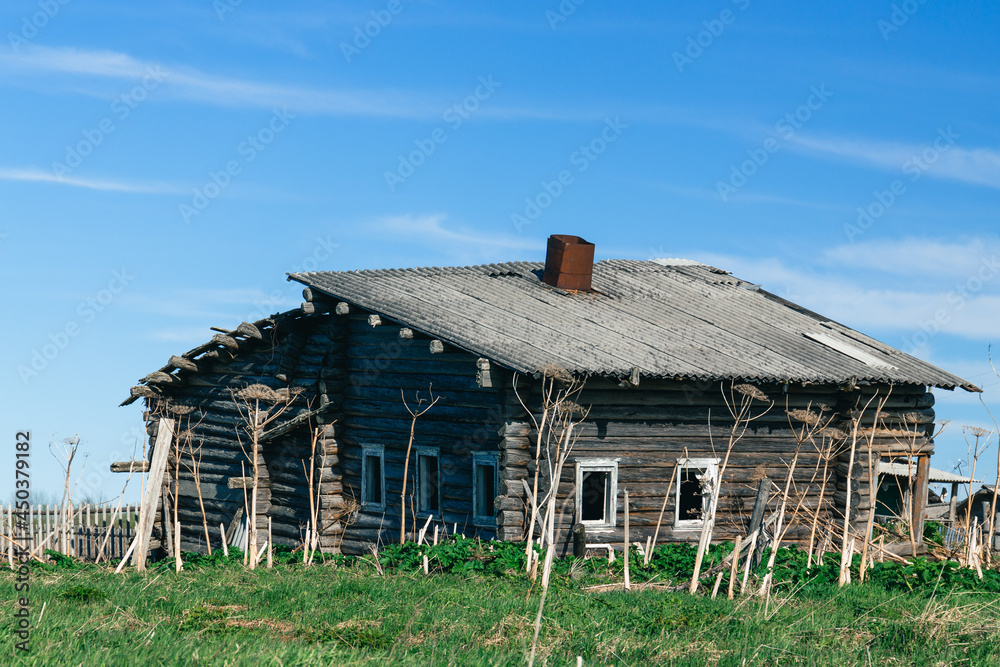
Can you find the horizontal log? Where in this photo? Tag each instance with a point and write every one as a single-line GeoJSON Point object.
{"type": "Point", "coordinates": [130, 466]}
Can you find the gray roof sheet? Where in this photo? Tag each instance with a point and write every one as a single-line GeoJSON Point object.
{"type": "Point", "coordinates": [670, 320]}
{"type": "Point", "coordinates": [897, 469]}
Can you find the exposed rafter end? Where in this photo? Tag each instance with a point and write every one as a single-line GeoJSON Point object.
{"type": "Point", "coordinates": [406, 334]}
{"type": "Point", "coordinates": [632, 380]}
{"type": "Point", "coordinates": [436, 347]}
{"type": "Point", "coordinates": [484, 376]}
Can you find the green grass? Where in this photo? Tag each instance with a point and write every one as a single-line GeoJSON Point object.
{"type": "Point", "coordinates": [217, 613]}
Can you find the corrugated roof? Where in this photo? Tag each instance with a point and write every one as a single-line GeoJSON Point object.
{"type": "Point", "coordinates": [934, 475]}
{"type": "Point", "coordinates": [682, 320]}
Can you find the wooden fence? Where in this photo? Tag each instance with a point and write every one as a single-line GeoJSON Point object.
{"type": "Point", "coordinates": [93, 533]}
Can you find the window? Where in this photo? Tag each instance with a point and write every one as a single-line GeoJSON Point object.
{"type": "Point", "coordinates": [373, 477]}
{"type": "Point", "coordinates": [484, 488]}
{"type": "Point", "coordinates": [696, 480]}
{"type": "Point", "coordinates": [597, 492]}
{"type": "Point", "coordinates": [428, 481]}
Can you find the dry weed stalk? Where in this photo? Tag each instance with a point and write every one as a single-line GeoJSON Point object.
{"type": "Point", "coordinates": [554, 429]}
{"type": "Point", "coordinates": [976, 449]}
{"type": "Point", "coordinates": [847, 548]}
{"type": "Point", "coordinates": [742, 412]}
{"type": "Point", "coordinates": [67, 452]}
{"type": "Point", "coordinates": [415, 413]}
{"type": "Point", "coordinates": [872, 482]}
{"type": "Point", "coordinates": [314, 531]}
{"type": "Point", "coordinates": [256, 417]}
{"type": "Point", "coordinates": [812, 423]}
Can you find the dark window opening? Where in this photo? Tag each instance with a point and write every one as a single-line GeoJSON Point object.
{"type": "Point", "coordinates": [427, 469]}
{"type": "Point", "coordinates": [594, 496]}
{"type": "Point", "coordinates": [373, 479]}
{"type": "Point", "coordinates": [690, 502]}
{"type": "Point", "coordinates": [485, 490]}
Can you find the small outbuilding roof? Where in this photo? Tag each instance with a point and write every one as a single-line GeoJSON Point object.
{"type": "Point", "coordinates": [667, 319]}
{"type": "Point", "coordinates": [897, 469]}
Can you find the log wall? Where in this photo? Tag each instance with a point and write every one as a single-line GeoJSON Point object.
{"type": "Point", "coordinates": [646, 429]}
{"type": "Point", "coordinates": [383, 368]}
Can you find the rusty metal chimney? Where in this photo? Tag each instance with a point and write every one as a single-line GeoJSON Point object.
{"type": "Point", "coordinates": [569, 263]}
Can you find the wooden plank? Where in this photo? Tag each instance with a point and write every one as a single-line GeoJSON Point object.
{"type": "Point", "coordinates": [161, 450]}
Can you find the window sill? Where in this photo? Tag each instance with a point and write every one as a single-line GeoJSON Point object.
{"type": "Point", "coordinates": [603, 528]}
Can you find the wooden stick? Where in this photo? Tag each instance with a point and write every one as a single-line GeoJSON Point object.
{"type": "Point", "coordinates": [423, 531]}
{"type": "Point", "coordinates": [663, 508]}
{"type": "Point", "coordinates": [628, 584]}
{"type": "Point", "coordinates": [128, 553]}
{"type": "Point", "coordinates": [718, 580]}
{"type": "Point", "coordinates": [746, 570]}
{"type": "Point", "coordinates": [270, 544]}
{"type": "Point", "coordinates": [735, 565]}
{"type": "Point", "coordinates": [225, 547]}
{"type": "Point", "coordinates": [177, 546]}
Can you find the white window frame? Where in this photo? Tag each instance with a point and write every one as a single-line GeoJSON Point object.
{"type": "Point", "coordinates": [379, 452]}
{"type": "Point", "coordinates": [711, 468]}
{"type": "Point", "coordinates": [611, 502]}
{"type": "Point", "coordinates": [480, 459]}
{"type": "Point", "coordinates": [436, 453]}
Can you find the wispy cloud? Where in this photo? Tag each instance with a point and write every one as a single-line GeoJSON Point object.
{"type": "Point", "coordinates": [33, 175]}
{"type": "Point", "coordinates": [222, 307]}
{"type": "Point", "coordinates": [976, 166]}
{"type": "Point", "coordinates": [963, 300]}
{"type": "Point", "coordinates": [194, 85]}
{"type": "Point", "coordinates": [430, 230]}
{"type": "Point", "coordinates": [922, 257]}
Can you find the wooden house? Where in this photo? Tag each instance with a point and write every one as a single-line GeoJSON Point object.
{"type": "Point", "coordinates": [662, 347]}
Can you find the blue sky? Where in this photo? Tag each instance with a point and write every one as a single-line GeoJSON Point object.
{"type": "Point", "coordinates": [163, 167]}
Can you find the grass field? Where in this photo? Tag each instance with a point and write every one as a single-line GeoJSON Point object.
{"type": "Point", "coordinates": [348, 614]}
